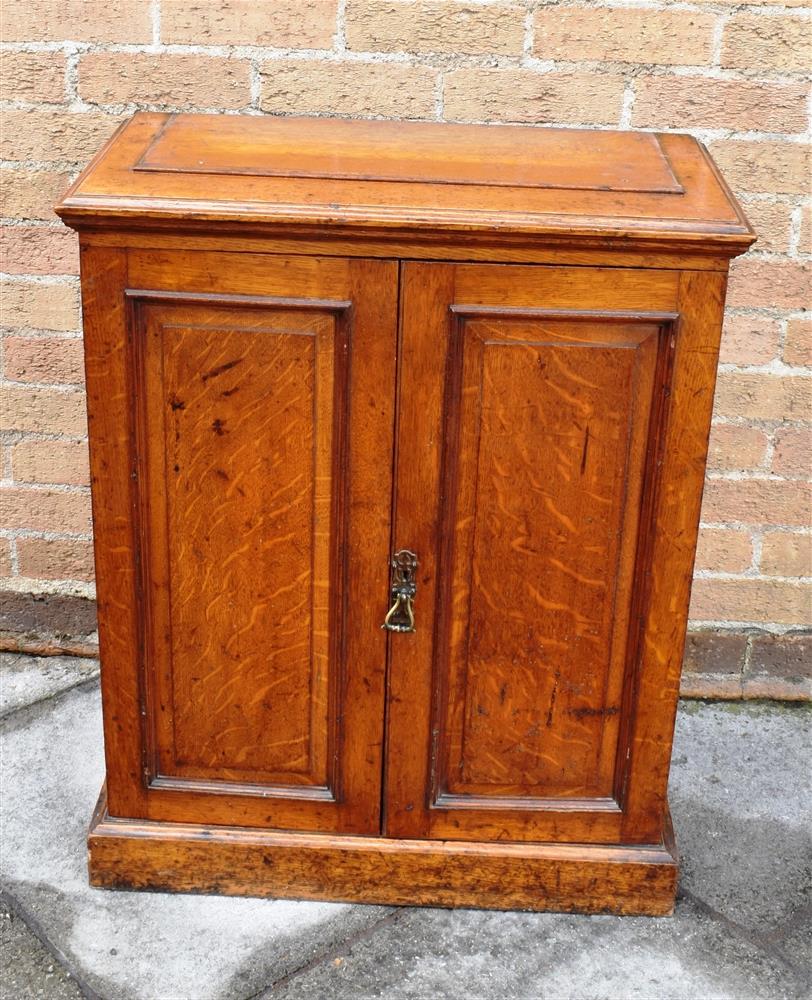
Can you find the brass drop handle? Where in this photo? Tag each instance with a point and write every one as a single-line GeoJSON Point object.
{"type": "Point", "coordinates": [400, 617]}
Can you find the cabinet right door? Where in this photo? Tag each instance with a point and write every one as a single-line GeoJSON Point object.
{"type": "Point", "coordinates": [551, 441]}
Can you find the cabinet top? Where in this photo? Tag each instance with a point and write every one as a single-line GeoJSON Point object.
{"type": "Point", "coordinates": [264, 174]}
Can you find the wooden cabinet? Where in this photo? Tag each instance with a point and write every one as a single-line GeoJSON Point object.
{"type": "Point", "coordinates": [453, 380]}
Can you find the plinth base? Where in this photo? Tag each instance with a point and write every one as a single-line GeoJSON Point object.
{"type": "Point", "coordinates": [580, 878]}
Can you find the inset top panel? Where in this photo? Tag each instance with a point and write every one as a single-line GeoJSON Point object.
{"type": "Point", "coordinates": [417, 152]}
{"type": "Point", "coordinates": [410, 180]}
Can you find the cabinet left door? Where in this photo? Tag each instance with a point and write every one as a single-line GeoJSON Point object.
{"type": "Point", "coordinates": [241, 422]}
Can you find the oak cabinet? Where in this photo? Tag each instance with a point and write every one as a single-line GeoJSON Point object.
{"type": "Point", "coordinates": [454, 381]}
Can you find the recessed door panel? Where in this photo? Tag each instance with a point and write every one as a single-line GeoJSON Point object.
{"type": "Point", "coordinates": [244, 417]}
{"type": "Point", "coordinates": [546, 428]}
{"type": "Point", "coordinates": [540, 423]}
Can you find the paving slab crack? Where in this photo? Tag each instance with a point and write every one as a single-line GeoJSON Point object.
{"type": "Point", "coordinates": [267, 992]}
{"type": "Point", "coordinates": [763, 941]}
{"type": "Point", "coordinates": [35, 927]}
{"type": "Point", "coordinates": [22, 715]}
{"type": "Point", "coordinates": [798, 917]}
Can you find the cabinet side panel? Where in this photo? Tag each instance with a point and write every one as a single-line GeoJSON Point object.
{"type": "Point", "coordinates": [111, 421]}
{"type": "Point", "coordinates": [664, 614]}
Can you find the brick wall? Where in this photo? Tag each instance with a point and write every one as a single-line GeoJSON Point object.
{"type": "Point", "coordinates": [733, 74]}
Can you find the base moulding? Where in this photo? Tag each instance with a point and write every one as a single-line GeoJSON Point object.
{"type": "Point", "coordinates": [580, 878]}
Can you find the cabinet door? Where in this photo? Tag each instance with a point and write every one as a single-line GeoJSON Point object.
{"type": "Point", "coordinates": [241, 427]}
{"type": "Point", "coordinates": [551, 437]}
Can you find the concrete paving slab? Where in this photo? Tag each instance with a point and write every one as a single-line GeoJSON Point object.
{"type": "Point", "coordinates": [491, 956]}
{"type": "Point", "coordinates": [134, 945]}
{"type": "Point", "coordinates": [795, 941]}
{"type": "Point", "coordinates": [27, 970]}
{"type": "Point", "coordinates": [741, 797]}
{"type": "Point", "coordinates": [25, 680]}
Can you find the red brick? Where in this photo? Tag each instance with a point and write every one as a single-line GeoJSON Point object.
{"type": "Point", "coordinates": [805, 234]}
{"type": "Point", "coordinates": [786, 553]}
{"type": "Point", "coordinates": [283, 24]}
{"type": "Point", "coordinates": [58, 622]}
{"type": "Point", "coordinates": [709, 652]}
{"type": "Point", "coordinates": [733, 447]}
{"type": "Point", "coordinates": [724, 551]}
{"type": "Point", "coordinates": [751, 600]}
{"type": "Point", "coordinates": [5, 557]}
{"type": "Point", "coordinates": [606, 34]}
{"type": "Point", "coordinates": [770, 284]}
{"type": "Point", "coordinates": [762, 687]}
{"type": "Point", "coordinates": [700, 102]}
{"type": "Point", "coordinates": [780, 667]}
{"type": "Point", "coordinates": [54, 135]}
{"type": "Point", "coordinates": [798, 342]}
{"type": "Point", "coordinates": [46, 510]}
{"type": "Point", "coordinates": [43, 411]}
{"type": "Point", "coordinates": [391, 90]}
{"type": "Point", "coordinates": [522, 95]}
{"type": "Point", "coordinates": [43, 359]}
{"type": "Point", "coordinates": [772, 222]}
{"type": "Point", "coordinates": [184, 81]}
{"type": "Point", "coordinates": [757, 501]}
{"type": "Point", "coordinates": [793, 451]}
{"type": "Point", "coordinates": [52, 559]}
{"type": "Point", "coordinates": [38, 250]}
{"type": "Point", "coordinates": [763, 397]}
{"type": "Point", "coordinates": [713, 687]}
{"type": "Point", "coordinates": [763, 167]}
{"type": "Point", "coordinates": [36, 306]}
{"type": "Point", "coordinates": [50, 462]}
{"type": "Point", "coordinates": [749, 340]}
{"type": "Point", "coordinates": [30, 194]}
{"type": "Point", "coordinates": [76, 21]}
{"type": "Point", "coordinates": [767, 44]}
{"type": "Point", "coordinates": [33, 76]}
{"type": "Point", "coordinates": [453, 26]}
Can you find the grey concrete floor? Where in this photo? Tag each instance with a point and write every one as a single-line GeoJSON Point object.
{"type": "Point", "coordinates": [740, 795]}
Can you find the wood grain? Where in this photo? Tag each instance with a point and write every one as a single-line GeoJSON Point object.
{"type": "Point", "coordinates": [573, 878]}
{"type": "Point", "coordinates": [619, 189]}
{"type": "Point", "coordinates": [536, 424]}
{"type": "Point", "coordinates": [248, 512]}
{"type": "Point", "coordinates": [420, 245]}
{"type": "Point", "coordinates": [240, 411]}
{"type": "Point", "coordinates": [676, 505]}
{"type": "Point", "coordinates": [111, 425]}
{"type": "Point", "coordinates": [410, 151]}
{"type": "Point", "coordinates": [545, 429]}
